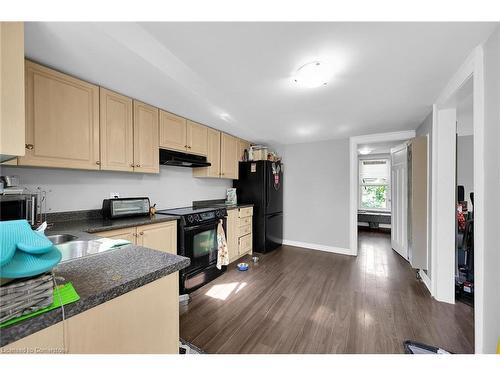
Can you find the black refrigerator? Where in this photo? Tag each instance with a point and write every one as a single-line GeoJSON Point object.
{"type": "Point", "coordinates": [261, 183]}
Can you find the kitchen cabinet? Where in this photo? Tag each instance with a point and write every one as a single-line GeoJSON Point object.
{"type": "Point", "coordinates": [128, 234]}
{"type": "Point", "coordinates": [114, 327]}
{"type": "Point", "coordinates": [12, 112]}
{"type": "Point", "coordinates": [213, 156]}
{"type": "Point", "coordinates": [146, 147]}
{"type": "Point", "coordinates": [62, 120]}
{"type": "Point", "coordinates": [179, 134]}
{"type": "Point", "coordinates": [229, 157]}
{"type": "Point", "coordinates": [161, 236]}
{"type": "Point", "coordinates": [158, 236]}
{"type": "Point", "coordinates": [232, 234]}
{"type": "Point", "coordinates": [197, 135]}
{"type": "Point", "coordinates": [173, 131]}
{"type": "Point", "coordinates": [116, 132]}
{"type": "Point", "coordinates": [239, 232]}
{"type": "Point", "coordinates": [242, 146]}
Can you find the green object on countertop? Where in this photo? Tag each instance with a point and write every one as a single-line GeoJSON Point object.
{"type": "Point", "coordinates": [63, 295]}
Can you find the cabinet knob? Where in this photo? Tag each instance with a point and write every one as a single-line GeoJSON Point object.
{"type": "Point", "coordinates": [137, 165]}
{"type": "Point", "coordinates": [98, 162]}
{"type": "Point", "coordinates": [185, 146]}
{"type": "Point", "coordinates": [141, 233]}
{"type": "Point", "coordinates": [29, 146]}
{"type": "Point", "coordinates": [132, 165]}
{"type": "Point", "coordinates": [189, 147]}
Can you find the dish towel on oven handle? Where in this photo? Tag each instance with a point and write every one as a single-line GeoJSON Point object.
{"type": "Point", "coordinates": [222, 252]}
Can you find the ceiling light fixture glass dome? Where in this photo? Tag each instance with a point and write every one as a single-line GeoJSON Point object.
{"type": "Point", "coordinates": [311, 75]}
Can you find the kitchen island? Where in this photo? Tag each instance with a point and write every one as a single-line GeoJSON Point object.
{"type": "Point", "coordinates": [128, 304]}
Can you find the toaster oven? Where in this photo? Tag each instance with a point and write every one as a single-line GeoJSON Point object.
{"type": "Point", "coordinates": [125, 207]}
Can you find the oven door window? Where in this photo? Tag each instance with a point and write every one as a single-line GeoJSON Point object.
{"type": "Point", "coordinates": [204, 243]}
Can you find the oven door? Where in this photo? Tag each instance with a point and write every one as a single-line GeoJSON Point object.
{"type": "Point", "coordinates": [200, 245]}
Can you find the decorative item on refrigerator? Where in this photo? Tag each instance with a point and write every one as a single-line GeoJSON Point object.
{"type": "Point", "coordinates": [231, 196]}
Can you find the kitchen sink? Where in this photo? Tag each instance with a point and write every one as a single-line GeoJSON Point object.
{"type": "Point", "coordinates": [58, 239]}
{"type": "Point", "coordinates": [78, 249]}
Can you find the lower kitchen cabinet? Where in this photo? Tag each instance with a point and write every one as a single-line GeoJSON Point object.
{"type": "Point", "coordinates": [239, 232]}
{"type": "Point", "coordinates": [160, 236]}
{"type": "Point", "coordinates": [143, 321]}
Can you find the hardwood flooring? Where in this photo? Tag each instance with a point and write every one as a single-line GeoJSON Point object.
{"type": "Point", "coordinates": [305, 301]}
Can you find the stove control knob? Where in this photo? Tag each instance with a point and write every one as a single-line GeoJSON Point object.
{"type": "Point", "coordinates": [190, 218]}
{"type": "Point", "coordinates": [197, 217]}
{"type": "Point", "coordinates": [220, 214]}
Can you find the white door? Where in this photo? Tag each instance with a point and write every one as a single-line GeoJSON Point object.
{"type": "Point", "coordinates": [399, 204]}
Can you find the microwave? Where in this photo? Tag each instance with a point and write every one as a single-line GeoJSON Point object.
{"type": "Point", "coordinates": [18, 207]}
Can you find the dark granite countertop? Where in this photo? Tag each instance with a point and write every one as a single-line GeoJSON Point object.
{"type": "Point", "coordinates": [102, 277]}
{"type": "Point", "coordinates": [99, 224]}
{"type": "Point", "coordinates": [217, 203]}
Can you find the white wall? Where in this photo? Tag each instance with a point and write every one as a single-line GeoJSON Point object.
{"type": "Point", "coordinates": [70, 190]}
{"type": "Point", "coordinates": [491, 150]}
{"type": "Point", "coordinates": [425, 129]}
{"type": "Point", "coordinates": [316, 195]}
{"type": "Point", "coordinates": [465, 165]}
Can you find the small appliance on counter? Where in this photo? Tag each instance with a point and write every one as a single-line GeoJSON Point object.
{"type": "Point", "coordinates": [116, 208]}
{"type": "Point", "coordinates": [231, 196]}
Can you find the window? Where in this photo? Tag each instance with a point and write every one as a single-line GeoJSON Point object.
{"type": "Point", "coordinates": [375, 184]}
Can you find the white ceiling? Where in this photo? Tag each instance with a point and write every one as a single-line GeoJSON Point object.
{"type": "Point", "coordinates": [387, 74]}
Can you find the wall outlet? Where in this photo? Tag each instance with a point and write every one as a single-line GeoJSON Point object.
{"type": "Point", "coordinates": [114, 195]}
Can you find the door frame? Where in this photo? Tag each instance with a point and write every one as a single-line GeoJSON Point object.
{"type": "Point", "coordinates": [473, 67]}
{"type": "Point", "coordinates": [353, 173]}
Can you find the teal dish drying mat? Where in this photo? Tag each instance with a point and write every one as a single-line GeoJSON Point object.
{"type": "Point", "coordinates": [63, 295]}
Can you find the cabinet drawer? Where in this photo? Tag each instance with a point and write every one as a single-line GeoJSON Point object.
{"type": "Point", "coordinates": [244, 230]}
{"type": "Point", "coordinates": [245, 243]}
{"type": "Point", "coordinates": [245, 212]}
{"type": "Point", "coordinates": [244, 221]}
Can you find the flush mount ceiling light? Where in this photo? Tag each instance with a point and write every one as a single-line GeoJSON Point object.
{"type": "Point", "coordinates": [365, 151]}
{"type": "Point", "coordinates": [225, 117]}
{"type": "Point", "coordinates": [311, 75]}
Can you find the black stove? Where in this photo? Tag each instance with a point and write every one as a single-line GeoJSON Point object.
{"type": "Point", "coordinates": [197, 240]}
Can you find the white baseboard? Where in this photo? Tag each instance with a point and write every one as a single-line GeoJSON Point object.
{"type": "Point", "coordinates": [313, 246]}
{"type": "Point", "coordinates": [425, 279]}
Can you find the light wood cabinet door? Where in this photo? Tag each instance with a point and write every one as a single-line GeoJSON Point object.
{"type": "Point", "coordinates": [232, 234]}
{"type": "Point", "coordinates": [146, 149]}
{"type": "Point", "coordinates": [62, 120]}
{"type": "Point", "coordinates": [229, 156]}
{"type": "Point", "coordinates": [173, 131]}
{"type": "Point", "coordinates": [197, 138]}
{"type": "Point", "coordinates": [242, 146]}
{"type": "Point", "coordinates": [128, 234]}
{"type": "Point", "coordinates": [162, 236]}
{"type": "Point", "coordinates": [116, 130]}
{"type": "Point", "coordinates": [213, 156]}
{"type": "Point", "coordinates": [12, 111]}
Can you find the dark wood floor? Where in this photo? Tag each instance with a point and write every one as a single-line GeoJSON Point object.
{"type": "Point", "coordinates": [304, 301]}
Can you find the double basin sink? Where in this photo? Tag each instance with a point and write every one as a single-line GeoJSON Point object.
{"type": "Point", "coordinates": [72, 248]}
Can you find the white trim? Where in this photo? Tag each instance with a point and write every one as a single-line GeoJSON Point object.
{"type": "Point", "coordinates": [473, 66]}
{"type": "Point", "coordinates": [425, 279]}
{"type": "Point", "coordinates": [313, 246]}
{"type": "Point", "coordinates": [353, 171]}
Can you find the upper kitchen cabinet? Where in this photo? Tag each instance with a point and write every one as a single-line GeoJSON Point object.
{"type": "Point", "coordinates": [229, 156]}
{"type": "Point", "coordinates": [117, 132]}
{"type": "Point", "coordinates": [213, 156]}
{"type": "Point", "coordinates": [197, 138]}
{"type": "Point", "coordinates": [173, 131]}
{"type": "Point", "coordinates": [62, 120]}
{"type": "Point", "coordinates": [146, 147]}
{"type": "Point", "coordinates": [179, 134]}
{"type": "Point", "coordinates": [242, 146]}
{"type": "Point", "coordinates": [12, 126]}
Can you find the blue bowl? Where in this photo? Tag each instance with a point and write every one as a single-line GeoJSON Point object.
{"type": "Point", "coordinates": [242, 266]}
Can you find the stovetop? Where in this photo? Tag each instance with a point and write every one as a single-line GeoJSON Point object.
{"type": "Point", "coordinates": [182, 211]}
{"type": "Point", "coordinates": [193, 216]}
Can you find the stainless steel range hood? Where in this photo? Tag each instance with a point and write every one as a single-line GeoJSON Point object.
{"type": "Point", "coordinates": [181, 159]}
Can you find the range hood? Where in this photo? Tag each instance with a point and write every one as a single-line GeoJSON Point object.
{"type": "Point", "coordinates": [181, 159]}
